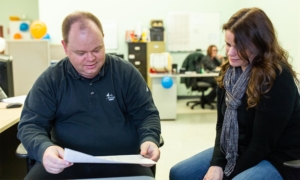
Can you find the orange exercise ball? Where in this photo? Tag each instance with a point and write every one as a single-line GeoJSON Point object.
{"type": "Point", "coordinates": [38, 29]}
{"type": "Point", "coordinates": [17, 36]}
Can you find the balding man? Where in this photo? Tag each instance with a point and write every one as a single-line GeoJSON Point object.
{"type": "Point", "coordinates": [90, 102]}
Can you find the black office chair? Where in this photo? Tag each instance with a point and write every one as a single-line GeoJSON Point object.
{"type": "Point", "coordinates": [22, 153]}
{"type": "Point", "coordinates": [200, 86]}
{"type": "Point", "coordinates": [193, 63]}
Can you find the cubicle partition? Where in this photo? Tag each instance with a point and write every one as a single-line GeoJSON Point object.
{"type": "Point", "coordinates": [30, 59]}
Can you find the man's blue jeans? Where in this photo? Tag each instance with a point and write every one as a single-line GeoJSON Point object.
{"type": "Point", "coordinates": [195, 168]}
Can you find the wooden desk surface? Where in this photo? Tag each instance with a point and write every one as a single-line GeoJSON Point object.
{"type": "Point", "coordinates": [8, 117]}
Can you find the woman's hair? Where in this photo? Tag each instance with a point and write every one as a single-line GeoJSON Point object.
{"type": "Point", "coordinates": [254, 34]}
{"type": "Point", "coordinates": [209, 50]}
{"type": "Point", "coordinates": [78, 16]}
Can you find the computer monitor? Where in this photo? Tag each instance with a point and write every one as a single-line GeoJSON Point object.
{"type": "Point", "coordinates": [6, 75]}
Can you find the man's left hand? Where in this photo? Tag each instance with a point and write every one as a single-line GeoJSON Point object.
{"type": "Point", "coordinates": [151, 151]}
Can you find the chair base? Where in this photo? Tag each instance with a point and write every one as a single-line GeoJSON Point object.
{"type": "Point", "coordinates": [196, 103]}
{"type": "Point", "coordinates": [201, 102]}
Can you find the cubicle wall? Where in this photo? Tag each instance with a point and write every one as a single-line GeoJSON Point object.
{"type": "Point", "coordinates": [30, 59]}
{"type": "Point", "coordinates": [57, 52]}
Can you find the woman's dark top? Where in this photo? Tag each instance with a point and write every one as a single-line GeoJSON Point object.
{"type": "Point", "coordinates": [270, 131]}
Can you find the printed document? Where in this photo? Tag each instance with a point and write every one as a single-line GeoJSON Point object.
{"type": "Point", "coordinates": [78, 157]}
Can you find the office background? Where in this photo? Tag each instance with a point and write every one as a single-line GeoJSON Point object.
{"type": "Point", "coordinates": [197, 132]}
{"type": "Point", "coordinates": [285, 16]}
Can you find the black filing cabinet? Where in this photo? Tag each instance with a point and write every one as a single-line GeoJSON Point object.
{"type": "Point", "coordinates": [137, 55]}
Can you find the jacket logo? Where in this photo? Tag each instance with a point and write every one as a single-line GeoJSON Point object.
{"type": "Point", "coordinates": [110, 97]}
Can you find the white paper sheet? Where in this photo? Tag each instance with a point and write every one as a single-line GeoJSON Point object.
{"type": "Point", "coordinates": [78, 157]}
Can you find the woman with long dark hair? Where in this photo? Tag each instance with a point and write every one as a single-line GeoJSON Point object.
{"type": "Point", "coordinates": [258, 108]}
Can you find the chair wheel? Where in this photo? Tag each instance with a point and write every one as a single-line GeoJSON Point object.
{"type": "Point", "coordinates": [187, 103]}
{"type": "Point", "coordinates": [192, 107]}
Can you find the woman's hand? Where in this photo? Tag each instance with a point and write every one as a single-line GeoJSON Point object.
{"type": "Point", "coordinates": [214, 173]}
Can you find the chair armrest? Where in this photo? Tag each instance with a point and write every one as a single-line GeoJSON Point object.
{"type": "Point", "coordinates": [293, 164]}
{"type": "Point", "coordinates": [21, 151]}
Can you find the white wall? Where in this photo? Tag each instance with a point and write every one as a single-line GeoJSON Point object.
{"type": "Point", "coordinates": [285, 15]}
{"type": "Point", "coordinates": [127, 14]}
{"type": "Point", "coordinates": [27, 9]}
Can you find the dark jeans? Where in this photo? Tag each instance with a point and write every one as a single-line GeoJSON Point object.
{"type": "Point", "coordinates": [197, 166]}
{"type": "Point", "coordinates": [84, 170]}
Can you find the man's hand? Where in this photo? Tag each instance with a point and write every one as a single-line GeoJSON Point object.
{"type": "Point", "coordinates": [214, 173]}
{"type": "Point", "coordinates": [151, 151]}
{"type": "Point", "coordinates": [53, 160]}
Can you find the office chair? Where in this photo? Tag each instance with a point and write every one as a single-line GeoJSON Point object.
{"type": "Point", "coordinates": [200, 86]}
{"type": "Point", "coordinates": [193, 63]}
{"type": "Point", "coordinates": [22, 153]}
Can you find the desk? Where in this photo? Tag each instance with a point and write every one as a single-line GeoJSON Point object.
{"type": "Point", "coordinates": [11, 167]}
{"type": "Point", "coordinates": [9, 117]}
{"type": "Point", "coordinates": [166, 99]}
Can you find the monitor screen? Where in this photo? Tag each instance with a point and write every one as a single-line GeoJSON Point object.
{"type": "Point", "coordinates": [6, 75]}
